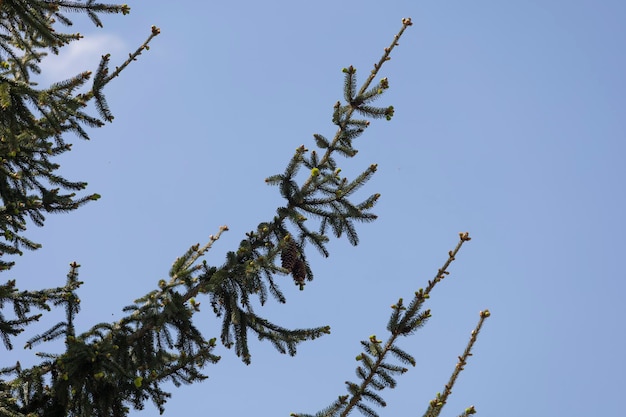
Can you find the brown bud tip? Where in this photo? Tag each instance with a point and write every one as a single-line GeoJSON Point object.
{"type": "Point", "coordinates": [485, 313]}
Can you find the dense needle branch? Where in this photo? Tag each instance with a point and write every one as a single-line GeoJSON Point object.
{"type": "Point", "coordinates": [112, 366]}
{"type": "Point", "coordinates": [406, 22]}
{"type": "Point", "coordinates": [34, 121]}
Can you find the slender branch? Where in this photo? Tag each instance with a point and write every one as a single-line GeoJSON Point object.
{"type": "Point", "coordinates": [133, 57]}
{"type": "Point", "coordinates": [437, 403]}
{"type": "Point", "coordinates": [442, 272]}
{"type": "Point", "coordinates": [400, 331]}
{"type": "Point", "coordinates": [200, 251]}
{"type": "Point", "coordinates": [372, 373]}
{"type": "Point", "coordinates": [406, 22]}
{"type": "Point", "coordinates": [217, 279]}
{"type": "Point", "coordinates": [174, 281]}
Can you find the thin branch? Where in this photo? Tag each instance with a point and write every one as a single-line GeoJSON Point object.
{"type": "Point", "coordinates": [440, 400]}
{"type": "Point", "coordinates": [174, 281]}
{"type": "Point", "coordinates": [406, 22]}
{"type": "Point", "coordinates": [442, 272]}
{"type": "Point", "coordinates": [133, 57]}
{"type": "Point", "coordinates": [400, 331]}
{"type": "Point", "coordinates": [200, 251]}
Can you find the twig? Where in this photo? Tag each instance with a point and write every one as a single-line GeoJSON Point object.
{"type": "Point", "coordinates": [133, 57]}
{"type": "Point", "coordinates": [438, 402]}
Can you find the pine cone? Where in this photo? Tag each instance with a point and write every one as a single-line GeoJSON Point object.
{"type": "Point", "coordinates": [289, 255]}
{"type": "Point", "coordinates": [299, 272]}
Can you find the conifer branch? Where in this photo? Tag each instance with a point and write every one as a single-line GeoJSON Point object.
{"type": "Point", "coordinates": [107, 365]}
{"type": "Point", "coordinates": [442, 272]}
{"type": "Point", "coordinates": [181, 274]}
{"type": "Point", "coordinates": [184, 264]}
{"type": "Point", "coordinates": [113, 365]}
{"type": "Point", "coordinates": [375, 371]}
{"type": "Point", "coordinates": [24, 301]}
{"type": "Point", "coordinates": [158, 337]}
{"type": "Point", "coordinates": [406, 22]}
{"type": "Point", "coordinates": [33, 120]}
{"type": "Point", "coordinates": [249, 270]}
{"type": "Point", "coordinates": [155, 31]}
{"type": "Point", "coordinates": [436, 404]}
{"type": "Point", "coordinates": [143, 341]}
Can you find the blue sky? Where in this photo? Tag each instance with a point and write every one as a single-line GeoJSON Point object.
{"type": "Point", "coordinates": [509, 124]}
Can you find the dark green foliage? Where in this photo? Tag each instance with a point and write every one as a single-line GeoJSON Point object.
{"type": "Point", "coordinates": [34, 121]}
{"type": "Point", "coordinates": [114, 366]}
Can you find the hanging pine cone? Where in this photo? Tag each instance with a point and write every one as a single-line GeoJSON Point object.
{"type": "Point", "coordinates": [299, 272]}
{"type": "Point", "coordinates": [289, 255]}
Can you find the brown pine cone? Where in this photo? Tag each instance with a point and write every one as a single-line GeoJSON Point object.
{"type": "Point", "coordinates": [289, 255]}
{"type": "Point", "coordinates": [299, 272]}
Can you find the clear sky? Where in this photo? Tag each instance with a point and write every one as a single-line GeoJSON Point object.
{"type": "Point", "coordinates": [510, 124]}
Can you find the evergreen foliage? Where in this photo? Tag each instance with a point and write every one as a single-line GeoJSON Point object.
{"type": "Point", "coordinates": [34, 120]}
{"type": "Point", "coordinates": [114, 366]}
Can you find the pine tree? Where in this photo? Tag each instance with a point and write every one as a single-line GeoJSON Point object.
{"type": "Point", "coordinates": [115, 366]}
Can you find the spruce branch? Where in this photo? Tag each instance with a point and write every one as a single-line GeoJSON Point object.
{"type": "Point", "coordinates": [186, 264]}
{"type": "Point", "coordinates": [436, 404]}
{"type": "Point", "coordinates": [111, 365]}
{"type": "Point", "coordinates": [249, 270]}
{"type": "Point", "coordinates": [157, 336]}
{"type": "Point", "coordinates": [33, 120]}
{"type": "Point", "coordinates": [347, 113]}
{"type": "Point", "coordinates": [375, 370]}
{"type": "Point", "coordinates": [24, 302]}
{"type": "Point", "coordinates": [324, 194]}
{"type": "Point", "coordinates": [155, 31]}
{"type": "Point", "coordinates": [181, 275]}
{"type": "Point", "coordinates": [102, 77]}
